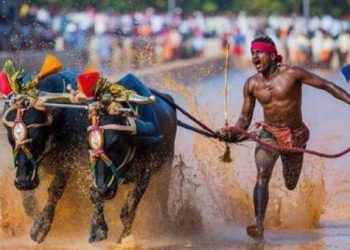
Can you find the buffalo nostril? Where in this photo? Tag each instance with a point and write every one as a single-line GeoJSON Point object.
{"type": "Point", "coordinates": [106, 193]}
{"type": "Point", "coordinates": [23, 177]}
{"type": "Point", "coordinates": [102, 190]}
{"type": "Point", "coordinates": [25, 185]}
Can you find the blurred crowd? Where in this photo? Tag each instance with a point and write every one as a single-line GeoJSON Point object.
{"type": "Point", "coordinates": [148, 37]}
{"type": "Point", "coordinates": [314, 42]}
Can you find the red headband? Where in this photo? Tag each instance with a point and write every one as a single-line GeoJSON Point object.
{"type": "Point", "coordinates": [266, 47]}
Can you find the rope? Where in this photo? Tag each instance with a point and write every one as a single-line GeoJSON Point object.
{"type": "Point", "coordinates": [197, 130]}
{"type": "Point", "coordinates": [291, 149]}
{"type": "Point", "coordinates": [245, 135]}
{"type": "Point", "coordinates": [175, 106]}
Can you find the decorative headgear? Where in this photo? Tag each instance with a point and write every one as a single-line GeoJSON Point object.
{"type": "Point", "coordinates": [93, 85]}
{"type": "Point", "coordinates": [267, 47]}
{"type": "Point", "coordinates": [5, 86]}
{"type": "Point", "coordinates": [11, 79]}
{"type": "Point", "coordinates": [87, 82]}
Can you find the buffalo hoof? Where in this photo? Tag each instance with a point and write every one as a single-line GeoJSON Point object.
{"type": "Point", "coordinates": [98, 232]}
{"type": "Point", "coordinates": [129, 242]}
{"type": "Point", "coordinates": [42, 225]}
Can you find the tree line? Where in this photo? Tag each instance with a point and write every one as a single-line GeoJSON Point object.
{"type": "Point", "coordinates": [337, 8]}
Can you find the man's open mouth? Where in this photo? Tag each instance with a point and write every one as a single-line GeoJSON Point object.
{"type": "Point", "coordinates": [257, 62]}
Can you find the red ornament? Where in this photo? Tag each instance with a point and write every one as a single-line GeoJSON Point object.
{"type": "Point", "coordinates": [87, 82]}
{"type": "Point", "coordinates": [5, 86]}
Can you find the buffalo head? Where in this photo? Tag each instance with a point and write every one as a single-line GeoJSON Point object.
{"type": "Point", "coordinates": [110, 149]}
{"type": "Point", "coordinates": [113, 143]}
{"type": "Point", "coordinates": [28, 133]}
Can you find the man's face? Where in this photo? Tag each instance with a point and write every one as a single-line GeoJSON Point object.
{"type": "Point", "coordinates": [262, 60]}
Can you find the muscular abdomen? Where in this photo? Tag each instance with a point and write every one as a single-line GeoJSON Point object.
{"type": "Point", "coordinates": [283, 113]}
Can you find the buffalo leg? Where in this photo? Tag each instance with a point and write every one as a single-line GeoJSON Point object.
{"type": "Point", "coordinates": [30, 203]}
{"type": "Point", "coordinates": [99, 227]}
{"type": "Point", "coordinates": [128, 212]}
{"type": "Point", "coordinates": [164, 181]}
{"type": "Point", "coordinates": [42, 223]}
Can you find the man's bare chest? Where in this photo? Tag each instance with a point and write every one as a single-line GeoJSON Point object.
{"type": "Point", "coordinates": [273, 90]}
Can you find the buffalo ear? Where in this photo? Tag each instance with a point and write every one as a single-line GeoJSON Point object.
{"type": "Point", "coordinates": [143, 141]}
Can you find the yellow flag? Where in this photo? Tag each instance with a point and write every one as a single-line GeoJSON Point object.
{"type": "Point", "coordinates": [51, 65]}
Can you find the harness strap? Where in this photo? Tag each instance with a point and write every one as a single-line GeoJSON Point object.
{"type": "Point", "coordinates": [21, 144]}
{"type": "Point", "coordinates": [28, 154]}
{"type": "Point", "coordinates": [4, 120]}
{"type": "Point", "coordinates": [101, 154]}
{"type": "Point", "coordinates": [48, 122]}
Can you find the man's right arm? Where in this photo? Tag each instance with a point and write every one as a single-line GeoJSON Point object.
{"type": "Point", "coordinates": [246, 116]}
{"type": "Point", "coordinates": [230, 133]}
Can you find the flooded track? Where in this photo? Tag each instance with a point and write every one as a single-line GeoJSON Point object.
{"type": "Point", "coordinates": [210, 202]}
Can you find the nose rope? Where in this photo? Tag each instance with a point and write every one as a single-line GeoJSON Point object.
{"type": "Point", "coordinates": [22, 146]}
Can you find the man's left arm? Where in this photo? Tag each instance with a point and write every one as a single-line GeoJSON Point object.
{"type": "Point", "coordinates": [316, 81]}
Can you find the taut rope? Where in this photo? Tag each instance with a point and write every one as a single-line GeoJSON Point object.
{"type": "Point", "coordinates": [245, 135]}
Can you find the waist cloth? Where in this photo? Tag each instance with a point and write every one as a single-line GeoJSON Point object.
{"type": "Point", "coordinates": [285, 136]}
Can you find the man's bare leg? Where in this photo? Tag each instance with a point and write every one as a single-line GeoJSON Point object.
{"type": "Point", "coordinates": [265, 160]}
{"type": "Point", "coordinates": [292, 165]}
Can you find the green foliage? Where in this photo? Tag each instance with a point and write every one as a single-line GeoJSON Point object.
{"type": "Point", "coordinates": [336, 8]}
{"type": "Point", "coordinates": [13, 75]}
{"type": "Point", "coordinates": [15, 78]}
{"type": "Point", "coordinates": [264, 6]}
{"type": "Point", "coordinates": [210, 7]}
{"type": "Point", "coordinates": [107, 90]}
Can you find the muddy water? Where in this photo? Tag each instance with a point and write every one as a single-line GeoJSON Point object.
{"type": "Point", "coordinates": [210, 202]}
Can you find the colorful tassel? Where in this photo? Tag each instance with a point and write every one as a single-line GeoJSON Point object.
{"type": "Point", "coordinates": [226, 157]}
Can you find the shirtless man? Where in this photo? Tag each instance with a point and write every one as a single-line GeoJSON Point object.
{"type": "Point", "coordinates": [278, 88]}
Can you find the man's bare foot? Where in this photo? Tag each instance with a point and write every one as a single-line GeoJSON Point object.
{"type": "Point", "coordinates": [254, 232]}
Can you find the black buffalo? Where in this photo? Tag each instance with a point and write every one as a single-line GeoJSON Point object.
{"type": "Point", "coordinates": [36, 129]}
{"type": "Point", "coordinates": [121, 156]}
